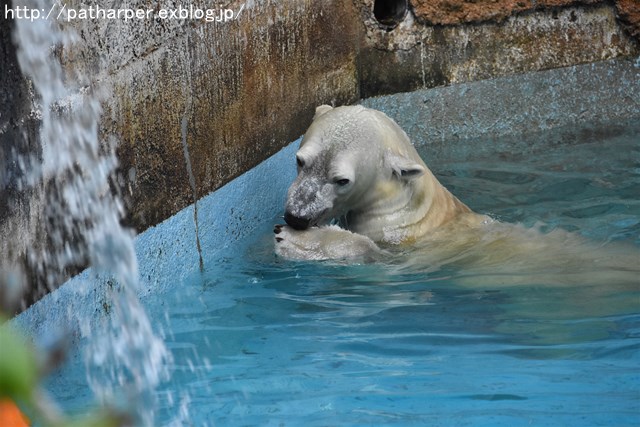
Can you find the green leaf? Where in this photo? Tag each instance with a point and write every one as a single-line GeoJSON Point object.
{"type": "Point", "coordinates": [18, 365]}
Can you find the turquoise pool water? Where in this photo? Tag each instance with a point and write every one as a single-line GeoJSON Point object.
{"type": "Point", "coordinates": [257, 340]}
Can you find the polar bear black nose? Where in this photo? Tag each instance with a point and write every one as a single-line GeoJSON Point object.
{"type": "Point", "coordinates": [296, 222]}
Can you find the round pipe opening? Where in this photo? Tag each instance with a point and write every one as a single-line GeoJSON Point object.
{"type": "Point", "coordinates": [389, 13]}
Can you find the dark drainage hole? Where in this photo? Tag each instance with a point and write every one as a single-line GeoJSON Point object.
{"type": "Point", "coordinates": [389, 12]}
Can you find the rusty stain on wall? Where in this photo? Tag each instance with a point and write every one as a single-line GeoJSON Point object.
{"type": "Point", "coordinates": [254, 84]}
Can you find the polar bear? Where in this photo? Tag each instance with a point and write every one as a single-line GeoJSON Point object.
{"type": "Point", "coordinates": [363, 193]}
{"type": "Point", "coordinates": [357, 166]}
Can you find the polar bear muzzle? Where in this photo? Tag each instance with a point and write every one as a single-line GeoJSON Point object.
{"type": "Point", "coordinates": [310, 201]}
{"type": "Point", "coordinates": [296, 222]}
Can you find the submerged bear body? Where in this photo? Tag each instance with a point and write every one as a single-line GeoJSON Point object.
{"type": "Point", "coordinates": [358, 169]}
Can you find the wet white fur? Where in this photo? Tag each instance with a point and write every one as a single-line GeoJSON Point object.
{"type": "Point", "coordinates": [394, 205]}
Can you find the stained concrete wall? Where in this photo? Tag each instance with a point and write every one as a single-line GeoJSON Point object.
{"type": "Point", "coordinates": [416, 55]}
{"type": "Point", "coordinates": [249, 86]}
{"type": "Point", "coordinates": [246, 87]}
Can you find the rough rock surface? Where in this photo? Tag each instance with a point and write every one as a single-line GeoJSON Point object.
{"type": "Point", "coordinates": [453, 12]}
{"type": "Point", "coordinates": [413, 55]}
{"type": "Point", "coordinates": [629, 12]}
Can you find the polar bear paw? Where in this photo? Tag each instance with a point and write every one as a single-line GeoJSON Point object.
{"type": "Point", "coordinates": [323, 243]}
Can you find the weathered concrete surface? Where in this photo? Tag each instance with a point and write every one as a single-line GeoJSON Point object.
{"type": "Point", "coordinates": [246, 88]}
{"type": "Point", "coordinates": [249, 86]}
{"type": "Point", "coordinates": [21, 207]}
{"type": "Point", "coordinates": [414, 56]}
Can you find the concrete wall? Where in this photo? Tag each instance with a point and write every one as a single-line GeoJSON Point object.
{"type": "Point", "coordinates": [247, 87]}
{"type": "Point", "coordinates": [415, 54]}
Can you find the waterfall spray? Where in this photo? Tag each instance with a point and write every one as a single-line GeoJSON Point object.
{"type": "Point", "coordinates": [126, 359]}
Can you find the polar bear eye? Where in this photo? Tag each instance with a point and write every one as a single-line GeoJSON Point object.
{"type": "Point", "coordinates": [342, 182]}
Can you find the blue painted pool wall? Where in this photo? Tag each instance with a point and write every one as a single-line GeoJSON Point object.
{"type": "Point", "coordinates": [167, 252]}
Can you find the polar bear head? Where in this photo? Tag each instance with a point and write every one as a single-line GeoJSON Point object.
{"type": "Point", "coordinates": [354, 164]}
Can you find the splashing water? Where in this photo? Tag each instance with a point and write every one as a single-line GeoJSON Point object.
{"type": "Point", "coordinates": [126, 359]}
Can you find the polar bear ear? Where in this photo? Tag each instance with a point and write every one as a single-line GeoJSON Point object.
{"type": "Point", "coordinates": [320, 110]}
{"type": "Point", "coordinates": [403, 167]}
